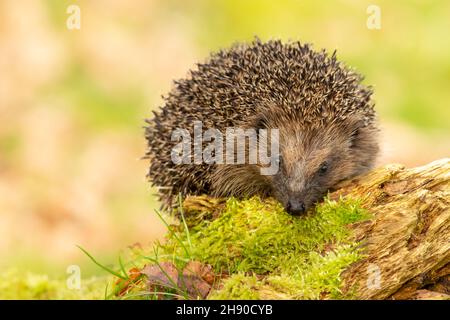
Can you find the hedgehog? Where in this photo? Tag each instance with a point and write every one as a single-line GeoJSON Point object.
{"type": "Point", "coordinates": [323, 114]}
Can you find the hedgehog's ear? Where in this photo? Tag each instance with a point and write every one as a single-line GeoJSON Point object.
{"type": "Point", "coordinates": [354, 137]}
{"type": "Point", "coordinates": [355, 128]}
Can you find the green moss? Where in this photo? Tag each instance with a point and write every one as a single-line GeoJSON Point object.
{"type": "Point", "coordinates": [29, 286]}
{"type": "Point", "coordinates": [320, 274]}
{"type": "Point", "coordinates": [238, 286]}
{"type": "Point", "coordinates": [296, 258]}
{"type": "Point", "coordinates": [258, 236]}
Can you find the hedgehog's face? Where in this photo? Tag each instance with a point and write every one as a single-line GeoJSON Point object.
{"type": "Point", "coordinates": [312, 162]}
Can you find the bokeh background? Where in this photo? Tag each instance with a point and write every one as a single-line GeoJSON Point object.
{"type": "Point", "coordinates": [73, 103]}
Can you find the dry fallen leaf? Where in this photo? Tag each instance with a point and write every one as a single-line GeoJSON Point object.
{"type": "Point", "coordinates": [134, 277]}
{"type": "Point", "coordinates": [195, 280]}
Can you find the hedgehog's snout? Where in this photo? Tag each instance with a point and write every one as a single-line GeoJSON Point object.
{"type": "Point", "coordinates": [295, 207]}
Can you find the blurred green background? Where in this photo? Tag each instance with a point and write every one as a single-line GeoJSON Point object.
{"type": "Point", "coordinates": [72, 103]}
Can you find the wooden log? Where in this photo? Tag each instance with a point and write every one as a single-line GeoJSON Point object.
{"type": "Point", "coordinates": [408, 241]}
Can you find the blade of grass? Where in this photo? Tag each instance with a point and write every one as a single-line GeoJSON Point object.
{"type": "Point", "coordinates": [173, 233]}
{"type": "Point", "coordinates": [122, 267]}
{"type": "Point", "coordinates": [106, 297]}
{"type": "Point", "coordinates": [165, 256]}
{"type": "Point", "coordinates": [188, 236]}
{"type": "Point", "coordinates": [102, 266]}
{"type": "Point", "coordinates": [155, 293]}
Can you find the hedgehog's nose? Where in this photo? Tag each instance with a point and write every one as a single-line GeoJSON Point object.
{"type": "Point", "coordinates": [295, 208]}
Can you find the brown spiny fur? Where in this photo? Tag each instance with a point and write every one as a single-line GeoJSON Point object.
{"type": "Point", "coordinates": [324, 115]}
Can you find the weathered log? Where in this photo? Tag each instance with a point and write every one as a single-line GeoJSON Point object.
{"type": "Point", "coordinates": [406, 243]}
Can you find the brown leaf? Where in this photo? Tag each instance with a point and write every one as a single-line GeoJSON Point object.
{"type": "Point", "coordinates": [164, 275]}
{"type": "Point", "coordinates": [195, 280]}
{"type": "Point", "coordinates": [134, 277]}
{"type": "Point", "coordinates": [203, 270]}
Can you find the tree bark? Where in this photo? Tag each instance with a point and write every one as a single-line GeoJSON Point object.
{"type": "Point", "coordinates": [408, 241]}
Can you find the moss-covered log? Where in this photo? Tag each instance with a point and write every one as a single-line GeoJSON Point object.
{"type": "Point", "coordinates": [406, 243]}
{"type": "Point", "coordinates": [384, 235]}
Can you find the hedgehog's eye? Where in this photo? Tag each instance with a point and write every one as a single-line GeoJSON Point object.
{"type": "Point", "coordinates": [323, 168]}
